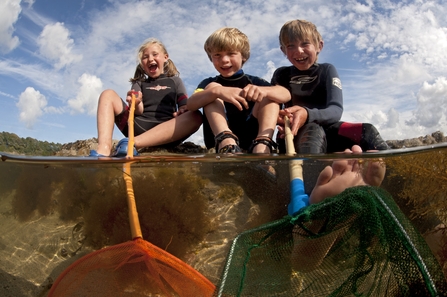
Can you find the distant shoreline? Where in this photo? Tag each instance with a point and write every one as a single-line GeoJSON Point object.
{"type": "Point", "coordinates": [12, 143]}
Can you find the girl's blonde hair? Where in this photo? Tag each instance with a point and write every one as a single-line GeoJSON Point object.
{"type": "Point", "coordinates": [168, 68]}
{"type": "Point", "coordinates": [299, 30]}
{"type": "Point", "coordinates": [227, 39]}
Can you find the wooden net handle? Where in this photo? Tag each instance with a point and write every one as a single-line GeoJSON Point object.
{"type": "Point", "coordinates": [134, 222]}
{"type": "Point", "coordinates": [295, 166]}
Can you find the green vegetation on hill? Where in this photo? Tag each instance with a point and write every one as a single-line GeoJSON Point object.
{"type": "Point", "coordinates": [11, 143]}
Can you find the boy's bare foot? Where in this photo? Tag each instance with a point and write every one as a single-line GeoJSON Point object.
{"type": "Point", "coordinates": [347, 173]}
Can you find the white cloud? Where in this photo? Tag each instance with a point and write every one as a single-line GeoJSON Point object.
{"type": "Point", "coordinates": [432, 103]}
{"type": "Point", "coordinates": [9, 13]}
{"type": "Point", "coordinates": [31, 106]}
{"type": "Point", "coordinates": [270, 70]}
{"type": "Point", "coordinates": [392, 118]}
{"type": "Point", "coordinates": [56, 45]}
{"type": "Point", "coordinates": [86, 100]}
{"type": "Point", "coordinates": [384, 50]}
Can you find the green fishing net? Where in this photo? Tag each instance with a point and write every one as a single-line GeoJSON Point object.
{"type": "Point", "coordinates": [355, 244]}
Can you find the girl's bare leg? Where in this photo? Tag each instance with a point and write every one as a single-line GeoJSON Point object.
{"type": "Point", "coordinates": [109, 105]}
{"type": "Point", "coordinates": [175, 129]}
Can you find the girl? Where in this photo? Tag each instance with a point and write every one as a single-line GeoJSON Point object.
{"type": "Point", "coordinates": [161, 116]}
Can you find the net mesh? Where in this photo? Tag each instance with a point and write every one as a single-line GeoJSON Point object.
{"type": "Point", "coordinates": [133, 268]}
{"type": "Point", "coordinates": [355, 244]}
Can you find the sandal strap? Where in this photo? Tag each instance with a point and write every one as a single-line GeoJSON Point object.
{"type": "Point", "coordinates": [224, 135]}
{"type": "Point", "coordinates": [230, 148]}
{"type": "Point", "coordinates": [263, 140]}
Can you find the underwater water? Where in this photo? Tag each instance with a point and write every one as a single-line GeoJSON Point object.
{"type": "Point", "coordinates": [53, 211]}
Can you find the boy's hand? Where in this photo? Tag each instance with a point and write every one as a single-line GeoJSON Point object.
{"type": "Point", "coordinates": [335, 179]}
{"type": "Point", "coordinates": [253, 93]}
{"type": "Point", "coordinates": [297, 115]}
{"type": "Point", "coordinates": [231, 95]}
{"type": "Point", "coordinates": [345, 174]}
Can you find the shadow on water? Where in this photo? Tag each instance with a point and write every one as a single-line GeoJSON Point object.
{"type": "Point", "coordinates": [53, 211]}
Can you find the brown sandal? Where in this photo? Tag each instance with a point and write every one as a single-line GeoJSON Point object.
{"type": "Point", "coordinates": [230, 148]}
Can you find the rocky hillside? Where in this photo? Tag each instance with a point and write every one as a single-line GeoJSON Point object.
{"type": "Point", "coordinates": [11, 143]}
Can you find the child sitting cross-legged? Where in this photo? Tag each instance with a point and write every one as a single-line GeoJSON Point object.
{"type": "Point", "coordinates": [240, 110]}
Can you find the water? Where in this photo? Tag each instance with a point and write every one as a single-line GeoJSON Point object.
{"type": "Point", "coordinates": [56, 210]}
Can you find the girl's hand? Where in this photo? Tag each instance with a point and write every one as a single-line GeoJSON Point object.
{"type": "Point", "coordinates": [181, 110]}
{"type": "Point", "coordinates": [138, 97]}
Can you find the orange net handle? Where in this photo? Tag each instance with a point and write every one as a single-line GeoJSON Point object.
{"type": "Point", "coordinates": [134, 222]}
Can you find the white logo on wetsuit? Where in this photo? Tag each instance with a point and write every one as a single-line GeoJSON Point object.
{"type": "Point", "coordinates": [336, 82]}
{"type": "Point", "coordinates": [302, 79]}
{"type": "Point", "coordinates": [158, 88]}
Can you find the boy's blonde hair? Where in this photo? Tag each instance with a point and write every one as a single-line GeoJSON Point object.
{"type": "Point", "coordinates": [228, 39]}
{"type": "Point", "coordinates": [299, 30]}
{"type": "Point", "coordinates": [168, 68]}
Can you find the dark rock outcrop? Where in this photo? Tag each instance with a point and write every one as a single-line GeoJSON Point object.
{"type": "Point", "coordinates": [434, 138]}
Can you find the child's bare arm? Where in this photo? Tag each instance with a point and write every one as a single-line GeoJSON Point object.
{"type": "Point", "coordinates": [255, 93]}
{"type": "Point", "coordinates": [216, 91]}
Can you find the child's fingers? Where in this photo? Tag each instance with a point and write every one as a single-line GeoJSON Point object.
{"type": "Point", "coordinates": [280, 120]}
{"type": "Point", "coordinates": [325, 176]}
{"type": "Point", "coordinates": [241, 102]}
{"type": "Point", "coordinates": [237, 104]}
{"type": "Point", "coordinates": [356, 149]}
{"type": "Point", "coordinates": [340, 166]}
{"type": "Point", "coordinates": [253, 93]}
{"type": "Point", "coordinates": [295, 126]}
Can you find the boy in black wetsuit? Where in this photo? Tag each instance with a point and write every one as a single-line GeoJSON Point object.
{"type": "Point", "coordinates": [240, 109]}
{"type": "Point", "coordinates": [317, 101]}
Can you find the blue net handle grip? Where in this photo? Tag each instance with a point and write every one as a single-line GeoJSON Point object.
{"type": "Point", "coordinates": [298, 198]}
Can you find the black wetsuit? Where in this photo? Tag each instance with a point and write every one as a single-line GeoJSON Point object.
{"type": "Point", "coordinates": [161, 98]}
{"type": "Point", "coordinates": [242, 123]}
{"type": "Point", "coordinates": [319, 91]}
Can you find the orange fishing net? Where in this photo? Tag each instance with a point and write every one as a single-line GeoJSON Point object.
{"type": "Point", "coordinates": [133, 268]}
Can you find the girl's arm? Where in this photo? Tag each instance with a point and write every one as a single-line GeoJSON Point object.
{"type": "Point", "coordinates": [139, 106]}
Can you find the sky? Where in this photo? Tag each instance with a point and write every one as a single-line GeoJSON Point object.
{"type": "Point", "coordinates": [56, 57]}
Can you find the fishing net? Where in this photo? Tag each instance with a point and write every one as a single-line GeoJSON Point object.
{"type": "Point", "coordinates": [134, 268]}
{"type": "Point", "coordinates": [357, 243]}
